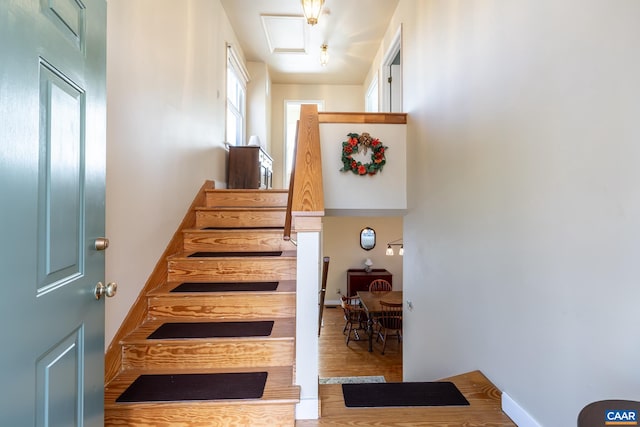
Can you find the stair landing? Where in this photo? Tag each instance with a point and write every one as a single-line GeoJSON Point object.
{"type": "Point", "coordinates": [484, 409]}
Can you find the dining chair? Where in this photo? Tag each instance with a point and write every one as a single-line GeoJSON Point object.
{"type": "Point", "coordinates": [380, 285]}
{"type": "Point", "coordinates": [389, 321]}
{"type": "Point", "coordinates": [354, 316]}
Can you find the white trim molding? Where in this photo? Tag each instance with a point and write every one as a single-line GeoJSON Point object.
{"type": "Point", "coordinates": [517, 414]}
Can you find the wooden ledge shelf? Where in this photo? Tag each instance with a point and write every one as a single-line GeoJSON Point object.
{"type": "Point", "coordinates": [384, 118]}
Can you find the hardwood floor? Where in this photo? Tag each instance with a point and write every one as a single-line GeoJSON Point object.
{"type": "Point", "coordinates": [338, 360]}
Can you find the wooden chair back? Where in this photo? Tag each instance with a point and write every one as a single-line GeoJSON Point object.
{"type": "Point", "coordinates": [391, 315]}
{"type": "Point", "coordinates": [351, 307]}
{"type": "Point", "coordinates": [354, 316]}
{"type": "Point", "coordinates": [390, 321]}
{"type": "Point", "coordinates": [380, 285]}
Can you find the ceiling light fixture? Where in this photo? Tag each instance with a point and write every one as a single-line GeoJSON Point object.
{"type": "Point", "coordinates": [312, 9]}
{"type": "Point", "coordinates": [324, 55]}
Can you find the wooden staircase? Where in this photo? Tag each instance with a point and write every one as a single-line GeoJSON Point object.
{"type": "Point", "coordinates": [236, 240]}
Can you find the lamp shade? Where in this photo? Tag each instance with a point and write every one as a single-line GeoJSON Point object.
{"type": "Point", "coordinates": [389, 250]}
{"type": "Point", "coordinates": [254, 140]}
{"type": "Point", "coordinates": [312, 9]}
{"type": "Point", "coordinates": [324, 55]}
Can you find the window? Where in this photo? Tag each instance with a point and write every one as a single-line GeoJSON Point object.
{"type": "Point", "coordinates": [237, 78]}
{"type": "Point", "coordinates": [291, 117]}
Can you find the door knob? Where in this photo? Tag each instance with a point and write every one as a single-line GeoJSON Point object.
{"type": "Point", "coordinates": [101, 243]}
{"type": "Point", "coordinates": [108, 290]}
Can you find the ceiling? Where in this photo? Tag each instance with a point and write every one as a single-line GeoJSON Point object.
{"type": "Point", "coordinates": [352, 30]}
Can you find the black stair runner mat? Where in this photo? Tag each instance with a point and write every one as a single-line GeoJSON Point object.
{"type": "Point", "coordinates": [225, 287]}
{"type": "Point", "coordinates": [402, 394]}
{"type": "Point", "coordinates": [165, 388]}
{"type": "Point", "coordinates": [231, 254]}
{"type": "Point", "coordinates": [212, 329]}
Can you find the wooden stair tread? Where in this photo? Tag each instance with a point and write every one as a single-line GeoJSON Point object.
{"type": "Point", "coordinates": [227, 307]}
{"type": "Point", "coordinates": [484, 409]}
{"type": "Point", "coordinates": [247, 198]}
{"type": "Point", "coordinates": [284, 286]}
{"type": "Point", "coordinates": [279, 386]}
{"type": "Point", "coordinates": [247, 190]}
{"type": "Point", "coordinates": [477, 389]}
{"type": "Point", "coordinates": [240, 208]}
{"type": "Point", "coordinates": [232, 256]}
{"type": "Point", "coordinates": [239, 240]}
{"type": "Point", "coordinates": [282, 329]}
{"type": "Point", "coordinates": [226, 231]}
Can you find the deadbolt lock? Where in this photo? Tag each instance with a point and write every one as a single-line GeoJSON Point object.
{"type": "Point", "coordinates": [101, 243]}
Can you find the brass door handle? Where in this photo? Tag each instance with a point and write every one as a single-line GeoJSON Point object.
{"type": "Point", "coordinates": [108, 290]}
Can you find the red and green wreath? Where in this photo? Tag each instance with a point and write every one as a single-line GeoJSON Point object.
{"type": "Point", "coordinates": [356, 143]}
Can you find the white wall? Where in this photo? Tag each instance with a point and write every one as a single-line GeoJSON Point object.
{"type": "Point", "coordinates": [342, 98]}
{"type": "Point", "coordinates": [166, 73]}
{"type": "Point", "coordinates": [259, 103]}
{"type": "Point", "coordinates": [384, 192]}
{"type": "Point", "coordinates": [524, 204]}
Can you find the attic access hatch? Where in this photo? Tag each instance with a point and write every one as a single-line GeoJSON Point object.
{"type": "Point", "coordinates": [285, 34]}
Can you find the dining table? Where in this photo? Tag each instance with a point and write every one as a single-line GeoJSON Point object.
{"type": "Point", "coordinates": [370, 302]}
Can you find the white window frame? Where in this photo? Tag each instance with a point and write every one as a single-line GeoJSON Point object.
{"type": "Point", "coordinates": [236, 93]}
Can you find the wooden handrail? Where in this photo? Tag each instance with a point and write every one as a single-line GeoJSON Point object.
{"type": "Point", "coordinates": [288, 219]}
{"type": "Point", "coordinates": [306, 194]}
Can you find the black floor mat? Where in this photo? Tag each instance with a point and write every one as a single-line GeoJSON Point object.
{"type": "Point", "coordinates": [165, 388]}
{"type": "Point", "coordinates": [233, 254]}
{"type": "Point", "coordinates": [226, 287]}
{"type": "Point", "coordinates": [402, 394]}
{"type": "Point", "coordinates": [212, 330]}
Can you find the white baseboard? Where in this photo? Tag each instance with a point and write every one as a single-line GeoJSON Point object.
{"type": "Point", "coordinates": [516, 413]}
{"type": "Point", "coordinates": [308, 409]}
{"type": "Point", "coordinates": [331, 302]}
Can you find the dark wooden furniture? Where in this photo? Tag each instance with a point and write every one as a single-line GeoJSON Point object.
{"type": "Point", "coordinates": [359, 280]}
{"type": "Point", "coordinates": [249, 167]}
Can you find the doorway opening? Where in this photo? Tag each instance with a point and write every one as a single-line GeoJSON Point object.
{"type": "Point", "coordinates": [392, 76]}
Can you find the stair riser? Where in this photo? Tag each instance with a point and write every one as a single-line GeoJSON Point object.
{"type": "Point", "coordinates": [240, 218]}
{"type": "Point", "coordinates": [168, 415]}
{"type": "Point", "coordinates": [217, 241]}
{"type": "Point", "coordinates": [240, 307]}
{"type": "Point", "coordinates": [236, 354]}
{"type": "Point", "coordinates": [247, 198]}
{"type": "Point", "coordinates": [229, 270]}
